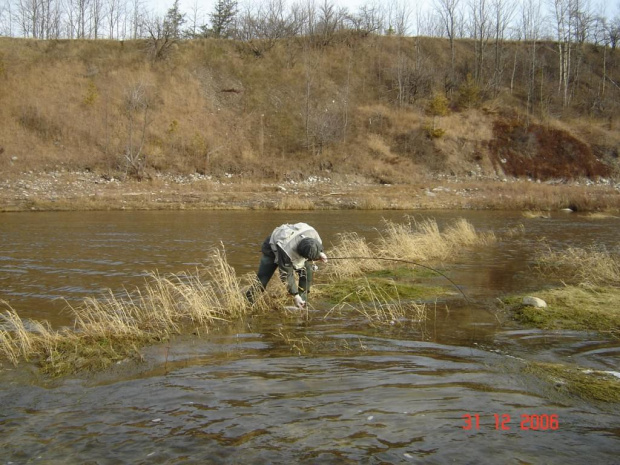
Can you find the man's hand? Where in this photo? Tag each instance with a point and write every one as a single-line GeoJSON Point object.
{"type": "Point", "coordinates": [299, 302]}
{"type": "Point", "coordinates": [323, 257]}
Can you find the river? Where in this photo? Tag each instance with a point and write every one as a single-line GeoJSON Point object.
{"type": "Point", "coordinates": [293, 390]}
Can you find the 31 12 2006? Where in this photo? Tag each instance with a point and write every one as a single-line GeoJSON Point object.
{"type": "Point", "coordinates": [504, 422]}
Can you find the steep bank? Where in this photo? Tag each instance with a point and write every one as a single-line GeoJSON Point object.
{"type": "Point", "coordinates": [378, 110]}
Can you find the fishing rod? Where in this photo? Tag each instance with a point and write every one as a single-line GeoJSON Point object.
{"type": "Point", "coordinates": [410, 263]}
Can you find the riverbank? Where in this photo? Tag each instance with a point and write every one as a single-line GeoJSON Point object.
{"type": "Point", "coordinates": [84, 190]}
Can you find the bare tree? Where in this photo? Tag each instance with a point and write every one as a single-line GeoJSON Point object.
{"type": "Point", "coordinates": [195, 18]}
{"type": "Point", "coordinates": [97, 15]}
{"type": "Point", "coordinates": [531, 23]}
{"type": "Point", "coordinates": [5, 19]}
{"type": "Point", "coordinates": [613, 32]}
{"type": "Point", "coordinates": [449, 13]}
{"type": "Point", "coordinates": [164, 33]}
{"type": "Point", "coordinates": [502, 13]}
{"type": "Point", "coordinates": [398, 17]}
{"type": "Point", "coordinates": [28, 14]}
{"type": "Point", "coordinates": [330, 19]}
{"type": "Point", "coordinates": [82, 8]}
{"type": "Point", "coordinates": [367, 20]}
{"type": "Point", "coordinates": [260, 28]}
{"type": "Point", "coordinates": [113, 17]}
{"type": "Point", "coordinates": [481, 33]}
{"type": "Point", "coordinates": [137, 18]}
{"type": "Point", "coordinates": [428, 23]}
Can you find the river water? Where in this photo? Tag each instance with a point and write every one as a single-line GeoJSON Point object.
{"type": "Point", "coordinates": [297, 390]}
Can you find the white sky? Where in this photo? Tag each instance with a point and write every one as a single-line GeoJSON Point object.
{"type": "Point", "coordinates": [610, 8]}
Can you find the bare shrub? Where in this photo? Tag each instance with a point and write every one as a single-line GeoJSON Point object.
{"type": "Point", "coordinates": [137, 104]}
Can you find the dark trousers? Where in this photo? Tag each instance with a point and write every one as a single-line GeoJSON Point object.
{"type": "Point", "coordinates": [267, 267]}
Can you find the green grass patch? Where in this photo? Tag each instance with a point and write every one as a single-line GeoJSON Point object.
{"type": "Point", "coordinates": [575, 308]}
{"type": "Point", "coordinates": [403, 272]}
{"type": "Point", "coordinates": [365, 289]}
{"type": "Point", "coordinates": [77, 354]}
{"type": "Point", "coordinates": [587, 384]}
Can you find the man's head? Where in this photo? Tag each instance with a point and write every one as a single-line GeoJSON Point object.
{"type": "Point", "coordinates": [310, 248]}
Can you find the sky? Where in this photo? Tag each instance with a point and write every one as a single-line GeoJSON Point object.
{"type": "Point", "coordinates": [207, 5]}
{"type": "Point", "coordinates": [611, 7]}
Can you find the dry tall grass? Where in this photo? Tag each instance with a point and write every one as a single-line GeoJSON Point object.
{"type": "Point", "coordinates": [424, 241]}
{"type": "Point", "coordinates": [294, 203]}
{"type": "Point", "coordinates": [414, 241]}
{"type": "Point", "coordinates": [351, 245]}
{"type": "Point", "coordinates": [112, 326]}
{"type": "Point", "coordinates": [581, 265]}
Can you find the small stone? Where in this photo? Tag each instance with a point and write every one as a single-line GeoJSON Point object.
{"type": "Point", "coordinates": [534, 302]}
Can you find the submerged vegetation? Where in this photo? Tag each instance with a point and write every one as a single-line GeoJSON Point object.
{"type": "Point", "coordinates": [586, 384]}
{"type": "Point", "coordinates": [113, 327]}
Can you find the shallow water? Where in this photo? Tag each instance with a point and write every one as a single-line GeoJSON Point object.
{"type": "Point", "coordinates": [293, 389]}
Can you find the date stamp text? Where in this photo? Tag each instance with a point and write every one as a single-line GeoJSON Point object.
{"type": "Point", "coordinates": [504, 422]}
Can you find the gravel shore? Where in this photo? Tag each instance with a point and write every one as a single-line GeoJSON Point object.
{"type": "Point", "coordinates": [84, 190]}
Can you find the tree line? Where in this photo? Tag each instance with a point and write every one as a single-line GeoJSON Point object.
{"type": "Point", "coordinates": [484, 21]}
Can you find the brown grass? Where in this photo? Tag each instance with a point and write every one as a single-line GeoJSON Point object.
{"type": "Point", "coordinates": [588, 300]}
{"type": "Point", "coordinates": [415, 241]}
{"type": "Point", "coordinates": [294, 202]}
{"type": "Point", "coordinates": [380, 307]}
{"type": "Point", "coordinates": [424, 240]}
{"type": "Point", "coordinates": [591, 266]}
{"type": "Point", "coordinates": [111, 328]}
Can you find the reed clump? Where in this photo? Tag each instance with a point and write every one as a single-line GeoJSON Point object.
{"type": "Point", "coordinates": [424, 241]}
{"type": "Point", "coordinates": [112, 327]}
{"type": "Point", "coordinates": [419, 241]}
{"type": "Point", "coordinates": [590, 265]}
{"type": "Point", "coordinates": [357, 264]}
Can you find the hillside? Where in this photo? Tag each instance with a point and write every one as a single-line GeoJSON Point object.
{"type": "Point", "coordinates": [384, 110]}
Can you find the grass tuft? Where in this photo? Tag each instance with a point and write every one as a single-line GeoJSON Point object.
{"type": "Point", "coordinates": [582, 265]}
{"type": "Point", "coordinates": [424, 241]}
{"type": "Point", "coordinates": [576, 308]}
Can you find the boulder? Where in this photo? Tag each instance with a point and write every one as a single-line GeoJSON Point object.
{"type": "Point", "coordinates": [534, 302]}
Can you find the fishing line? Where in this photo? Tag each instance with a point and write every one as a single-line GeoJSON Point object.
{"type": "Point", "coordinates": [410, 263]}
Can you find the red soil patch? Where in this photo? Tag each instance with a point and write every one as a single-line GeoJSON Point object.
{"type": "Point", "coordinates": [540, 152]}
